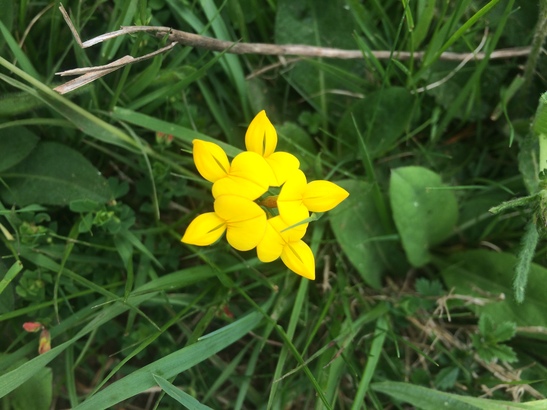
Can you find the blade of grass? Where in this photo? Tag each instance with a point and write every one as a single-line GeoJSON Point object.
{"type": "Point", "coordinates": [81, 118]}
{"type": "Point", "coordinates": [70, 380]}
{"type": "Point", "coordinates": [184, 134]}
{"type": "Point", "coordinates": [373, 357]}
{"type": "Point", "coordinates": [72, 236]}
{"type": "Point", "coordinates": [10, 275]}
{"type": "Point", "coordinates": [172, 364]}
{"type": "Point", "coordinates": [289, 335]}
{"type": "Point", "coordinates": [377, 197]}
{"type": "Point", "coordinates": [228, 371]}
{"type": "Point", "coordinates": [14, 378]}
{"type": "Point", "coordinates": [20, 56]}
{"type": "Point", "coordinates": [459, 33]}
{"type": "Point", "coordinates": [474, 82]}
{"type": "Point", "coordinates": [179, 395]}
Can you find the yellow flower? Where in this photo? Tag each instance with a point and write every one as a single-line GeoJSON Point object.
{"type": "Point", "coordinates": [317, 196]}
{"type": "Point", "coordinates": [248, 175]}
{"type": "Point", "coordinates": [236, 187]}
{"type": "Point", "coordinates": [243, 221]}
{"type": "Point", "coordinates": [261, 138]}
{"type": "Point", "coordinates": [284, 240]}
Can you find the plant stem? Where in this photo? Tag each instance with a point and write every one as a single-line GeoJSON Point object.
{"type": "Point", "coordinates": [539, 127]}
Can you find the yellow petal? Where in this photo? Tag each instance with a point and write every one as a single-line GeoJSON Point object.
{"type": "Point", "coordinates": [245, 221]}
{"type": "Point", "coordinates": [240, 186]}
{"type": "Point", "coordinates": [322, 196]}
{"type": "Point", "coordinates": [261, 136]}
{"type": "Point", "coordinates": [204, 230]}
{"type": "Point", "coordinates": [271, 245]}
{"type": "Point", "coordinates": [289, 201]}
{"type": "Point", "coordinates": [283, 166]}
{"type": "Point", "coordinates": [250, 176]}
{"type": "Point", "coordinates": [211, 160]}
{"type": "Point", "coordinates": [293, 189]}
{"type": "Point", "coordinates": [293, 229]}
{"type": "Point", "coordinates": [299, 258]}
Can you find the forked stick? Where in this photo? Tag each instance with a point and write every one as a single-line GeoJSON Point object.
{"type": "Point", "coordinates": [90, 74]}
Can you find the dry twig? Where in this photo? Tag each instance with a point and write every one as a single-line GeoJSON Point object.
{"type": "Point", "coordinates": [174, 37]}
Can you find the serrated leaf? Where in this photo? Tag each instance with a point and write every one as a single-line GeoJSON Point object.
{"type": "Point", "coordinates": [16, 144]}
{"type": "Point", "coordinates": [493, 351]}
{"type": "Point", "coordinates": [53, 174]}
{"type": "Point", "coordinates": [428, 287]}
{"type": "Point", "coordinates": [486, 325]}
{"type": "Point", "coordinates": [504, 353]}
{"type": "Point", "coordinates": [424, 215]}
{"type": "Point", "coordinates": [504, 331]}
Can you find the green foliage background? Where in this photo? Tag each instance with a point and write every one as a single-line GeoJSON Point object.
{"type": "Point", "coordinates": [414, 302]}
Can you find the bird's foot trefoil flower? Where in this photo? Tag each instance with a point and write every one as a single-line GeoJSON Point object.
{"type": "Point", "coordinates": [262, 199]}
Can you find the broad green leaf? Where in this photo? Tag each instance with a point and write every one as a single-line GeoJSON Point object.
{"type": "Point", "coordinates": [85, 205]}
{"type": "Point", "coordinates": [172, 364]}
{"type": "Point", "coordinates": [478, 273]}
{"type": "Point", "coordinates": [424, 215]}
{"type": "Point", "coordinates": [53, 174]}
{"type": "Point", "coordinates": [429, 399]}
{"type": "Point", "coordinates": [179, 395]}
{"type": "Point", "coordinates": [6, 17]}
{"type": "Point", "coordinates": [382, 118]}
{"type": "Point", "coordinates": [305, 22]}
{"type": "Point", "coordinates": [15, 144]}
{"type": "Point", "coordinates": [447, 378]}
{"type": "Point", "coordinates": [358, 230]}
{"type": "Point", "coordinates": [36, 393]}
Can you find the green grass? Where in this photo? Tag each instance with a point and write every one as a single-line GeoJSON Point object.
{"type": "Point", "coordinates": [414, 301]}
